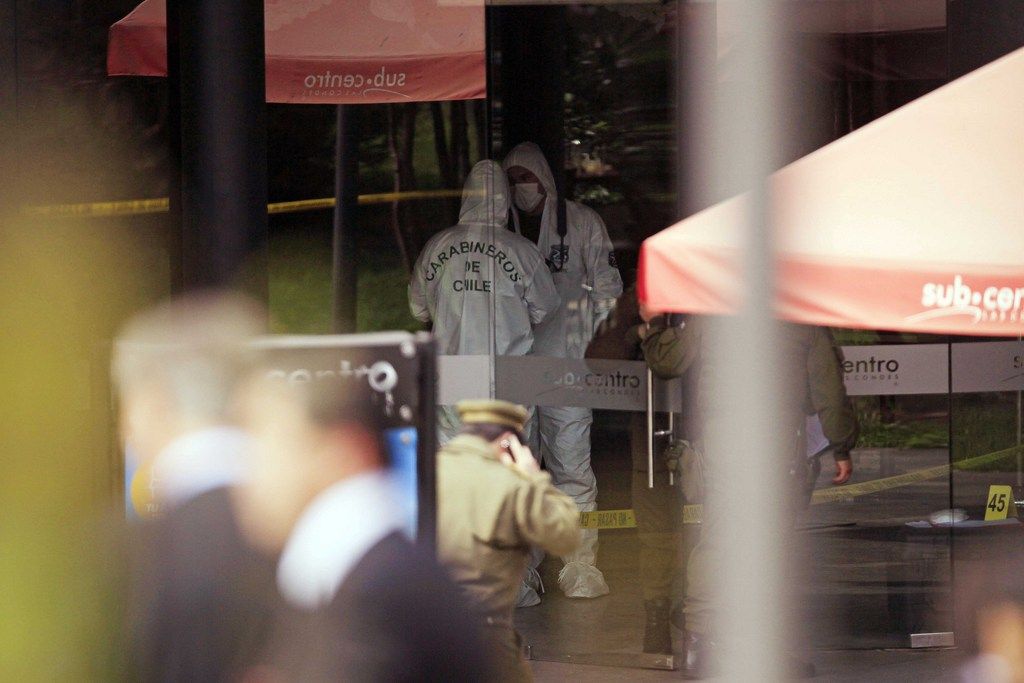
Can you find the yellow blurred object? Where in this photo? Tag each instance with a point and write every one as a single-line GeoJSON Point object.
{"type": "Point", "coordinates": [142, 492]}
{"type": "Point", "coordinates": [65, 287]}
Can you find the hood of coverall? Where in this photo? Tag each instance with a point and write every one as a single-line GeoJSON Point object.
{"type": "Point", "coordinates": [529, 157]}
{"type": "Point", "coordinates": [485, 196]}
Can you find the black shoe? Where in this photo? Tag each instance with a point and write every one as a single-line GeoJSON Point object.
{"type": "Point", "coordinates": [657, 635]}
{"type": "Point", "coordinates": [677, 617]}
{"type": "Point", "coordinates": [699, 658]}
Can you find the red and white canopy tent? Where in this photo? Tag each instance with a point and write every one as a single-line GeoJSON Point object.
{"type": "Point", "coordinates": [339, 51]}
{"type": "Point", "coordinates": [914, 222]}
{"type": "Point", "coordinates": [313, 46]}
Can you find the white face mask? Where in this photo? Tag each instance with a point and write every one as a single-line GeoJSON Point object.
{"type": "Point", "coordinates": [527, 196]}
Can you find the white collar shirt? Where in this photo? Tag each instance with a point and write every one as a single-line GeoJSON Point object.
{"type": "Point", "coordinates": [333, 534]}
{"type": "Point", "coordinates": [198, 462]}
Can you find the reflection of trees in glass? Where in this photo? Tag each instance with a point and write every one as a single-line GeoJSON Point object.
{"type": "Point", "coordinates": [618, 107]}
{"type": "Point", "coordinates": [81, 136]}
{"type": "Point", "coordinates": [443, 159]}
{"type": "Point", "coordinates": [985, 423]}
{"type": "Point", "coordinates": [401, 145]}
{"type": "Point", "coordinates": [595, 194]}
{"type": "Point", "coordinates": [614, 54]}
{"type": "Point", "coordinates": [902, 421]}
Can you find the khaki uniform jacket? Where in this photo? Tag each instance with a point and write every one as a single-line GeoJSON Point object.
{"type": "Point", "coordinates": [488, 517]}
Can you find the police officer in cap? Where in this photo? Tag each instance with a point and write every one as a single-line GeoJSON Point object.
{"type": "Point", "coordinates": [494, 503]}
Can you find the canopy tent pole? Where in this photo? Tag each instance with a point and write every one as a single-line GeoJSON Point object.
{"type": "Point", "coordinates": [346, 193]}
{"type": "Point", "coordinates": [219, 89]}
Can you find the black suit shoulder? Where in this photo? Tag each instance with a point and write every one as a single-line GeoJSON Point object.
{"type": "Point", "coordinates": [203, 598]}
{"type": "Point", "coordinates": [412, 608]}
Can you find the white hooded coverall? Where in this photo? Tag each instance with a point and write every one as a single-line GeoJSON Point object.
{"type": "Point", "coordinates": [478, 268]}
{"type": "Point", "coordinates": [588, 282]}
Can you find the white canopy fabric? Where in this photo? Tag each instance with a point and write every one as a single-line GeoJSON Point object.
{"type": "Point", "coordinates": [914, 222]}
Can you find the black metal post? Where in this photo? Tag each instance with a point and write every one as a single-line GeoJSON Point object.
{"type": "Point", "coordinates": [489, 55]}
{"type": "Point", "coordinates": [346, 196]}
{"type": "Point", "coordinates": [173, 228]}
{"type": "Point", "coordinates": [531, 78]}
{"type": "Point", "coordinates": [426, 443]}
{"type": "Point", "coordinates": [219, 68]}
{"type": "Point", "coordinates": [10, 125]}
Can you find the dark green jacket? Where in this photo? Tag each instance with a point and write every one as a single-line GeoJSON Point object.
{"type": "Point", "coordinates": [814, 378]}
{"type": "Point", "coordinates": [619, 339]}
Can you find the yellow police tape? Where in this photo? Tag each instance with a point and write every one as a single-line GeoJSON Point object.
{"type": "Point", "coordinates": [608, 519]}
{"type": "Point", "coordinates": [136, 207]}
{"type": "Point", "coordinates": [132, 207]}
{"type": "Point", "coordinates": [626, 519]}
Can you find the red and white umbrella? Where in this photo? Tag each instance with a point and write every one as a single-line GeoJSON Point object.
{"type": "Point", "coordinates": [914, 222]}
{"type": "Point", "coordinates": [339, 51]}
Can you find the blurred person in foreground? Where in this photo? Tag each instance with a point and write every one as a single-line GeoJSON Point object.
{"type": "Point", "coordinates": [999, 634]}
{"type": "Point", "coordinates": [990, 612]}
{"type": "Point", "coordinates": [494, 503]}
{"type": "Point", "coordinates": [814, 387]}
{"type": "Point", "coordinates": [200, 597]}
{"type": "Point", "coordinates": [360, 601]}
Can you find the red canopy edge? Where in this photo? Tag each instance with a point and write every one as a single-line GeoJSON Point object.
{"type": "Point", "coordinates": [914, 223]}
{"type": "Point", "coordinates": [400, 79]}
{"type": "Point", "coordinates": [137, 49]}
{"type": "Point", "coordinates": [938, 300]}
{"type": "Point", "coordinates": [448, 63]}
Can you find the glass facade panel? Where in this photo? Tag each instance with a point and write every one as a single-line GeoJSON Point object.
{"type": "Point", "coordinates": [525, 269]}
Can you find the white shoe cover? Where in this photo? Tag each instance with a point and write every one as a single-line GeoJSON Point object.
{"type": "Point", "coordinates": [533, 580]}
{"type": "Point", "coordinates": [527, 596]}
{"type": "Point", "coordinates": [580, 580]}
{"type": "Point", "coordinates": [530, 589]}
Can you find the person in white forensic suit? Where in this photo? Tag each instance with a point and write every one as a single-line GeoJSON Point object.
{"type": "Point", "coordinates": [483, 287]}
{"type": "Point", "coordinates": [581, 259]}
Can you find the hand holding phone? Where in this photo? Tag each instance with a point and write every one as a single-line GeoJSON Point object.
{"type": "Point", "coordinates": [516, 455]}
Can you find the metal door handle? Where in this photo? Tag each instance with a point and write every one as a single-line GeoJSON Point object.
{"type": "Point", "coordinates": [650, 429]}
